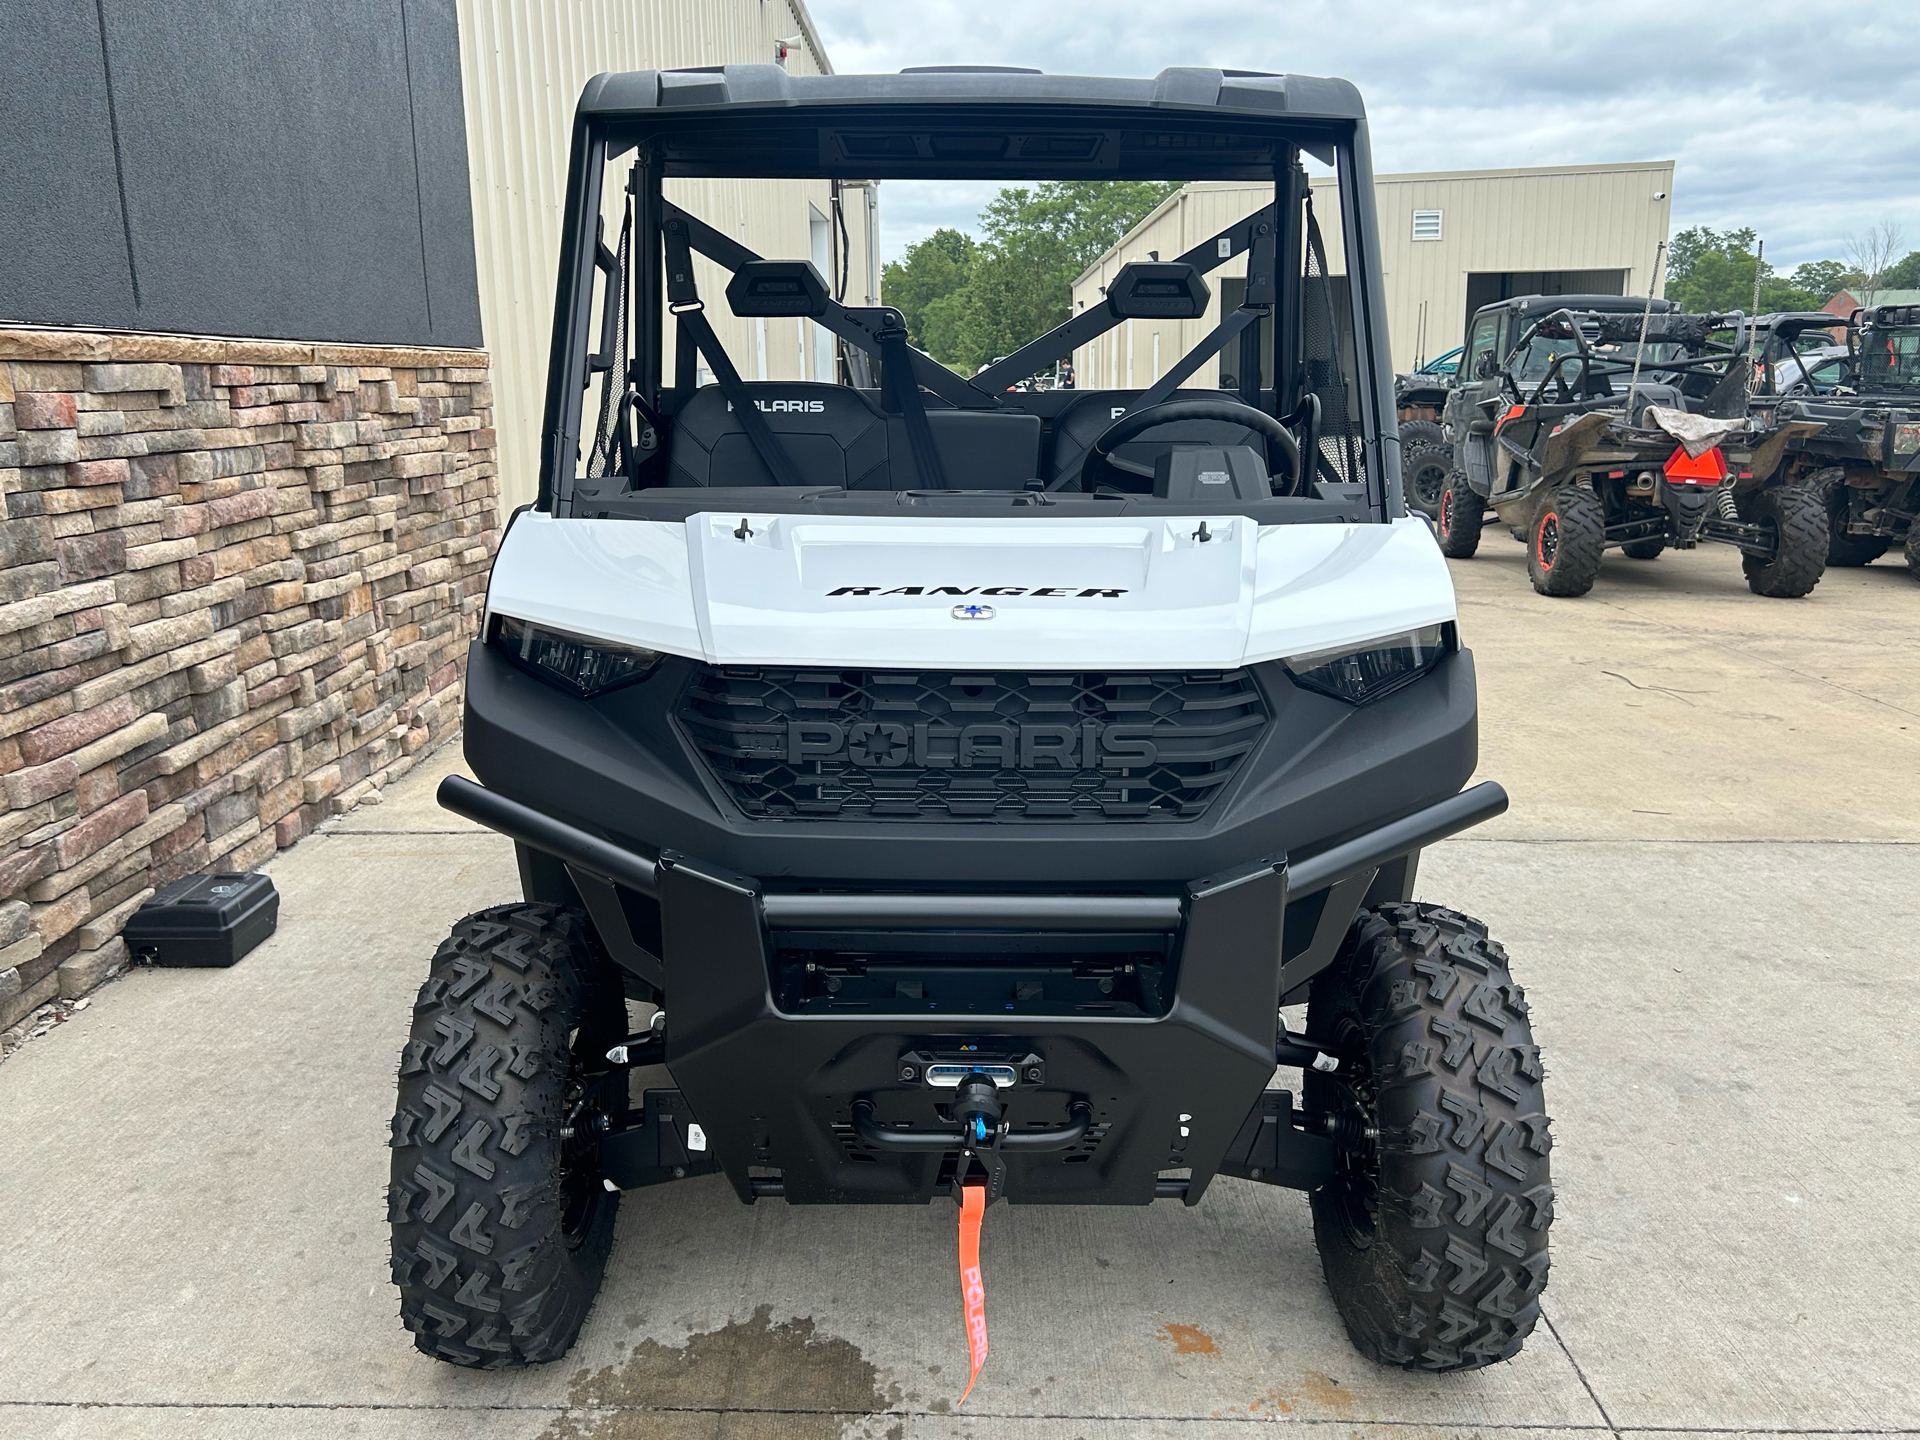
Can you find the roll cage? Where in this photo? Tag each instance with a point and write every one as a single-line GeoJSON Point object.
{"type": "Point", "coordinates": [1779, 339]}
{"type": "Point", "coordinates": [1332, 387]}
{"type": "Point", "coordinates": [1894, 366]}
{"type": "Point", "coordinates": [1718, 369]}
{"type": "Point", "coordinates": [1864, 327]}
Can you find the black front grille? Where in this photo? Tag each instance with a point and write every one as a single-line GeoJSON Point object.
{"type": "Point", "coordinates": [945, 745]}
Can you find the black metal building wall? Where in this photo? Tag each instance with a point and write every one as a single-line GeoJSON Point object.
{"type": "Point", "coordinates": [289, 169]}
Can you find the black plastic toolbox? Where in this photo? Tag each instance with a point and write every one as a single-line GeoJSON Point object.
{"type": "Point", "coordinates": [204, 920]}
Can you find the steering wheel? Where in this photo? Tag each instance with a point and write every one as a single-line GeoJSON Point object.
{"type": "Point", "coordinates": [1100, 456]}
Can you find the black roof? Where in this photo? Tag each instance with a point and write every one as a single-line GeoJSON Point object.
{"type": "Point", "coordinates": [730, 86]}
{"type": "Point", "coordinates": [975, 122]}
{"type": "Point", "coordinates": [1792, 322]}
{"type": "Point", "coordinates": [1533, 307]}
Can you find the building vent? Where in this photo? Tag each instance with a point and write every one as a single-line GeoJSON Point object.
{"type": "Point", "coordinates": [1426, 224]}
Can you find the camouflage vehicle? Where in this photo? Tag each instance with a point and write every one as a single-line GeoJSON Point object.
{"type": "Point", "coordinates": [1586, 422]}
{"type": "Point", "coordinates": [1422, 394]}
{"type": "Point", "coordinates": [1864, 460]}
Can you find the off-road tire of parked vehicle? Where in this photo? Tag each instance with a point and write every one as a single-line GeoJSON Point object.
{"type": "Point", "coordinates": [1434, 1235]}
{"type": "Point", "coordinates": [1426, 463]}
{"type": "Point", "coordinates": [1566, 540]}
{"type": "Point", "coordinates": [1798, 517]}
{"type": "Point", "coordinates": [1850, 551]}
{"type": "Point", "coordinates": [501, 1226]}
{"type": "Point", "coordinates": [1462, 513]}
{"type": "Point", "coordinates": [1912, 550]}
{"type": "Point", "coordinates": [1414, 433]}
{"type": "Point", "coordinates": [1644, 549]}
{"type": "Point", "coordinates": [1844, 551]}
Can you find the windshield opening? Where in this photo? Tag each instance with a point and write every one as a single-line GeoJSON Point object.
{"type": "Point", "coordinates": [1534, 359]}
{"type": "Point", "coordinates": [1020, 356]}
{"type": "Point", "coordinates": [1587, 357]}
{"type": "Point", "coordinates": [1890, 357]}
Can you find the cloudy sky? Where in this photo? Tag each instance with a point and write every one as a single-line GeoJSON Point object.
{"type": "Point", "coordinates": [1797, 117]}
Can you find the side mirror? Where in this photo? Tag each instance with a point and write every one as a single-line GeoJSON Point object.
{"type": "Point", "coordinates": [1483, 368]}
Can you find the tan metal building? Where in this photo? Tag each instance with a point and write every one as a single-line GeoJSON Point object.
{"type": "Point", "coordinates": [1451, 242]}
{"type": "Point", "coordinates": [522, 69]}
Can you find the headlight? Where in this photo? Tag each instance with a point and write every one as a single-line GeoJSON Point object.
{"type": "Point", "coordinates": [573, 662]}
{"type": "Point", "coordinates": [1364, 672]}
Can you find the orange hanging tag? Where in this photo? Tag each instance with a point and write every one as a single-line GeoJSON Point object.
{"type": "Point", "coordinates": [973, 1291]}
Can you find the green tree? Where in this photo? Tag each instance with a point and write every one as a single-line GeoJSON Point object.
{"type": "Point", "coordinates": [1037, 242]}
{"type": "Point", "coordinates": [1710, 270]}
{"type": "Point", "coordinates": [967, 301]}
{"type": "Point", "coordinates": [945, 326]}
{"type": "Point", "coordinates": [1821, 280]}
{"type": "Point", "coordinates": [936, 266]}
{"type": "Point", "coordinates": [1903, 274]}
{"type": "Point", "coordinates": [1072, 222]}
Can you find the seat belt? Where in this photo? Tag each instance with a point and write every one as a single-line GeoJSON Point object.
{"type": "Point", "coordinates": [760, 435]}
{"type": "Point", "coordinates": [903, 391]}
{"type": "Point", "coordinates": [687, 307]}
{"type": "Point", "coordinates": [1163, 389]}
{"type": "Point", "coordinates": [1260, 264]}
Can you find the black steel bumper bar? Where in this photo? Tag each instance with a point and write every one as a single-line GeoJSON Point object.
{"type": "Point", "coordinates": [1079, 913]}
{"type": "Point", "coordinates": [544, 833]}
{"type": "Point", "coordinates": [1410, 832]}
{"type": "Point", "coordinates": [1029, 1142]}
{"type": "Point", "coordinates": [819, 912]}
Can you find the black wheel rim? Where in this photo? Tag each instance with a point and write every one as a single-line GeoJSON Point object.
{"type": "Point", "coordinates": [1429, 485]}
{"type": "Point", "coordinates": [1548, 545]}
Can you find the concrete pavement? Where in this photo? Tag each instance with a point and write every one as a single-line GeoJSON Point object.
{"type": "Point", "coordinates": [1670, 702]}
{"type": "Point", "coordinates": [1709, 884]}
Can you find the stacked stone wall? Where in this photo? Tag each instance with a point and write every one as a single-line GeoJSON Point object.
{"type": "Point", "coordinates": [237, 581]}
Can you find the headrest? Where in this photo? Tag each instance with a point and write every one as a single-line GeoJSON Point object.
{"type": "Point", "coordinates": [777, 287]}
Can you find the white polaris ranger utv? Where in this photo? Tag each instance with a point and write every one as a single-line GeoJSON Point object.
{"type": "Point", "coordinates": [968, 775]}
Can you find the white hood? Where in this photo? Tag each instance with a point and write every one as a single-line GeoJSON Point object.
{"type": "Point", "coordinates": [1203, 591]}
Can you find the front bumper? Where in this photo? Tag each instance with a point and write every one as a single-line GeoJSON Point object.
{"type": "Point", "coordinates": [808, 965]}
{"type": "Point", "coordinates": [1144, 1025]}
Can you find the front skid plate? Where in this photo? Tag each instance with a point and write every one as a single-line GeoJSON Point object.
{"type": "Point", "coordinates": [775, 1091]}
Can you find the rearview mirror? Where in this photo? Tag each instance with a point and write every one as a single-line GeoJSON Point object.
{"type": "Point", "coordinates": [777, 287]}
{"type": "Point", "coordinates": [1157, 290]}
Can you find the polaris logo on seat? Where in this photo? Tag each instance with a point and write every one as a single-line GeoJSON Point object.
{"type": "Point", "coordinates": [790, 407]}
{"type": "Point", "coordinates": [878, 745]}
